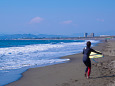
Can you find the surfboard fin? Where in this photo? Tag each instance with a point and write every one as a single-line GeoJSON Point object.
{"type": "Point", "coordinates": [94, 61]}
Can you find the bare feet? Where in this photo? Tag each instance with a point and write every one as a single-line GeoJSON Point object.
{"type": "Point", "coordinates": [85, 75]}
{"type": "Point", "coordinates": [88, 77]}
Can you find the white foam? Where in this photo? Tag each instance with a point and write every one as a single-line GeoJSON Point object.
{"type": "Point", "coordinates": [40, 54]}
{"type": "Point", "coordinates": [16, 65]}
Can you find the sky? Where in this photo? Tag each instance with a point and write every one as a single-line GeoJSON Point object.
{"type": "Point", "coordinates": [59, 17]}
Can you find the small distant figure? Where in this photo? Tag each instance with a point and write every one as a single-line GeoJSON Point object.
{"type": "Point", "coordinates": [105, 40]}
{"type": "Point", "coordinates": [86, 60]}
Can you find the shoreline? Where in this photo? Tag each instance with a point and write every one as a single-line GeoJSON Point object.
{"type": "Point", "coordinates": [14, 75]}
{"type": "Point", "coordinates": [66, 38]}
{"type": "Point", "coordinates": [64, 74]}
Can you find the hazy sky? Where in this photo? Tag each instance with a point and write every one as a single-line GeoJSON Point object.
{"type": "Point", "coordinates": [57, 16]}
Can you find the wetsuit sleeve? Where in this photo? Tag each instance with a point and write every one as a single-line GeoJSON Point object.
{"type": "Point", "coordinates": [83, 51]}
{"type": "Point", "coordinates": [92, 50]}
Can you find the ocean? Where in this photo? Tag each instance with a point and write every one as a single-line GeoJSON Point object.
{"type": "Point", "coordinates": [16, 56]}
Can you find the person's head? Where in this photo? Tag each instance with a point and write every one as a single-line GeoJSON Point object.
{"type": "Point", "coordinates": [88, 44]}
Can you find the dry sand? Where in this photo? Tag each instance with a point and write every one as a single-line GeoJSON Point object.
{"type": "Point", "coordinates": [72, 73]}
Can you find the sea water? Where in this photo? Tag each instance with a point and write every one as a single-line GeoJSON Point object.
{"type": "Point", "coordinates": [16, 56]}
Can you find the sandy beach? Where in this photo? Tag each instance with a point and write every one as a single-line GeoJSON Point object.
{"type": "Point", "coordinates": [72, 72]}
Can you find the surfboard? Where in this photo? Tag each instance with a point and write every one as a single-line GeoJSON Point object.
{"type": "Point", "coordinates": [95, 55]}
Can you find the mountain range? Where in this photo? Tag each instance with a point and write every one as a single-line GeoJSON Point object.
{"type": "Point", "coordinates": [28, 36]}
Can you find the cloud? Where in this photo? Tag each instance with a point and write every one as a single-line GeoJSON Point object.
{"type": "Point", "coordinates": [101, 20]}
{"type": "Point", "coordinates": [36, 20]}
{"type": "Point", "coordinates": [67, 22]}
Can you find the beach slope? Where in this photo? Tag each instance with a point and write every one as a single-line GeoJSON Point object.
{"type": "Point", "coordinates": [72, 72]}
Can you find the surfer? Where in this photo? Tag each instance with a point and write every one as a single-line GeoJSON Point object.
{"type": "Point", "coordinates": [86, 60]}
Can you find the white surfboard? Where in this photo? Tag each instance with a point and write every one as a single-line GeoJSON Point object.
{"type": "Point", "coordinates": [95, 55]}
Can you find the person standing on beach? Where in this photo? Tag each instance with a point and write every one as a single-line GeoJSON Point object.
{"type": "Point", "coordinates": [86, 60]}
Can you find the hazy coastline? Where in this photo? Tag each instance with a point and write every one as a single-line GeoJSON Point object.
{"type": "Point", "coordinates": [69, 74]}
{"type": "Point", "coordinates": [66, 38]}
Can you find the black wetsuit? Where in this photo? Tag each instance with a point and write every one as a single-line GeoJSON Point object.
{"type": "Point", "coordinates": [86, 59]}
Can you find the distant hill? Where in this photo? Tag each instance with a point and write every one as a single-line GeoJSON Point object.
{"type": "Point", "coordinates": [49, 36]}
{"type": "Point", "coordinates": [29, 36]}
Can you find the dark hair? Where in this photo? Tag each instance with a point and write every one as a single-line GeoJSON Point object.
{"type": "Point", "coordinates": [88, 44]}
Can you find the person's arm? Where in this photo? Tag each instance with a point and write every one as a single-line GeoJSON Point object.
{"type": "Point", "coordinates": [83, 51]}
{"type": "Point", "coordinates": [95, 51]}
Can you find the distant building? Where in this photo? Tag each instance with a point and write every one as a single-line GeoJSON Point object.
{"type": "Point", "coordinates": [85, 35]}
{"type": "Point", "coordinates": [92, 34]}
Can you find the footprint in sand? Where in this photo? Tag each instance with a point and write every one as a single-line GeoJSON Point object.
{"type": "Point", "coordinates": [76, 80]}
{"type": "Point", "coordinates": [73, 81]}
{"type": "Point", "coordinates": [65, 84]}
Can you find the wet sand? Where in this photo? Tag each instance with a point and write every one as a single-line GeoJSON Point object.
{"type": "Point", "coordinates": [72, 73]}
